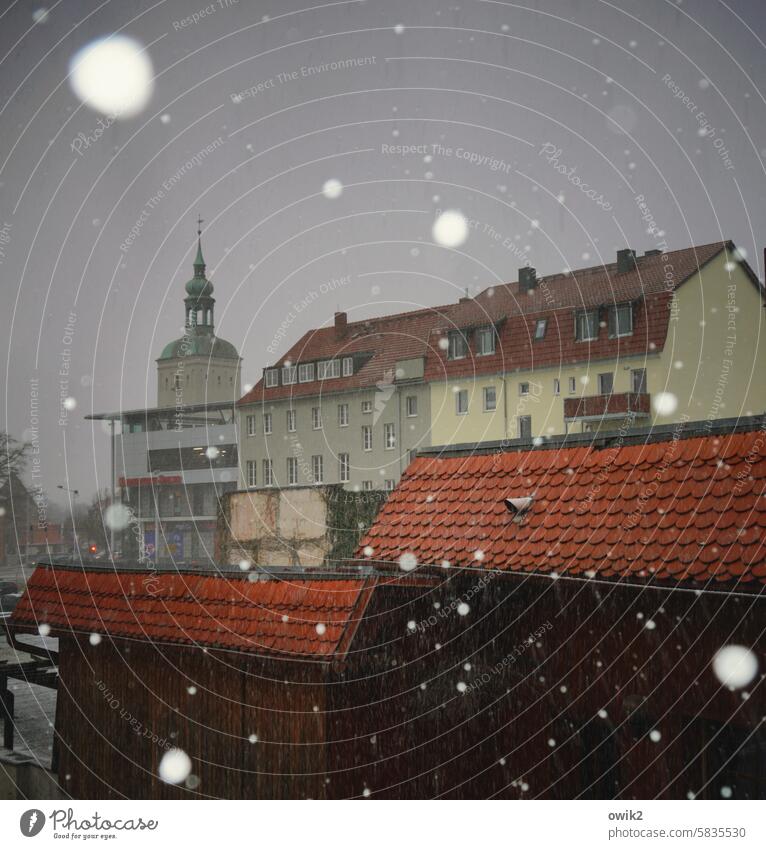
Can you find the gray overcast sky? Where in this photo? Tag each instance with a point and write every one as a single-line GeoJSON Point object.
{"type": "Point", "coordinates": [487, 90]}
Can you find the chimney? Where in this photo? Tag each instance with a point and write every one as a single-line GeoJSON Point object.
{"type": "Point", "coordinates": [626, 260]}
{"type": "Point", "coordinates": [527, 279]}
{"type": "Point", "coordinates": [341, 323]}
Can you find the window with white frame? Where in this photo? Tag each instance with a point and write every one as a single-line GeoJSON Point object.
{"type": "Point", "coordinates": [342, 415]}
{"type": "Point", "coordinates": [638, 380]}
{"type": "Point", "coordinates": [348, 366]}
{"type": "Point", "coordinates": [620, 320]}
{"type": "Point", "coordinates": [344, 468]}
{"type": "Point", "coordinates": [252, 473]}
{"type": "Point", "coordinates": [461, 402]}
{"type": "Point", "coordinates": [292, 471]}
{"type": "Point", "coordinates": [272, 377]}
{"type": "Point", "coordinates": [305, 372]}
{"type": "Point", "coordinates": [389, 436]}
{"type": "Point", "coordinates": [317, 468]}
{"type": "Point", "coordinates": [412, 405]}
{"type": "Point", "coordinates": [291, 420]}
{"type": "Point", "coordinates": [389, 485]}
{"type": "Point", "coordinates": [366, 407]}
{"type": "Point", "coordinates": [366, 485]}
{"type": "Point", "coordinates": [586, 325]}
{"type": "Point", "coordinates": [525, 427]}
{"type": "Point", "coordinates": [327, 369]}
{"type": "Point", "coordinates": [289, 375]}
{"type": "Point", "coordinates": [316, 418]}
{"type": "Point", "coordinates": [457, 348]}
{"type": "Point", "coordinates": [485, 341]}
{"type": "Point", "coordinates": [267, 423]}
{"type": "Point", "coordinates": [268, 473]}
{"type": "Point", "coordinates": [540, 327]}
{"type": "Point", "coordinates": [367, 437]}
{"type": "Point", "coordinates": [556, 386]}
{"type": "Point", "coordinates": [250, 424]}
{"type": "Point", "coordinates": [490, 399]}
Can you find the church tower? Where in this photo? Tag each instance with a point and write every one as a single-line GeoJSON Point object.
{"type": "Point", "coordinates": [198, 368]}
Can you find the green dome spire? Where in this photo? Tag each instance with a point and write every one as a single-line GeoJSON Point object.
{"type": "Point", "coordinates": [199, 286]}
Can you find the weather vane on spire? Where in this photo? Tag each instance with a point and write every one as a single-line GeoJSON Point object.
{"type": "Point", "coordinates": [199, 224]}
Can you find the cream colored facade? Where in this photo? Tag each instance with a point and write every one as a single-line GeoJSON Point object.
{"type": "Point", "coordinates": [712, 366]}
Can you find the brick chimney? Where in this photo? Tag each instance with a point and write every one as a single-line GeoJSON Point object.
{"type": "Point", "coordinates": [626, 260]}
{"type": "Point", "coordinates": [341, 324]}
{"type": "Point", "coordinates": [527, 279]}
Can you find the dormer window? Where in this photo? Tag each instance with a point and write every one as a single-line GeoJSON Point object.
{"type": "Point", "coordinates": [305, 372]}
{"type": "Point", "coordinates": [272, 377]}
{"type": "Point", "coordinates": [540, 328]}
{"type": "Point", "coordinates": [348, 366]}
{"type": "Point", "coordinates": [327, 369]}
{"type": "Point", "coordinates": [457, 348]}
{"type": "Point", "coordinates": [289, 375]}
{"type": "Point", "coordinates": [620, 320]}
{"type": "Point", "coordinates": [586, 325]}
{"type": "Point", "coordinates": [485, 341]}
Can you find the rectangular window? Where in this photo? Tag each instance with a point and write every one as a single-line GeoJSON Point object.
{"type": "Point", "coordinates": [525, 427]}
{"type": "Point", "coordinates": [389, 436]}
{"type": "Point", "coordinates": [342, 415]}
{"type": "Point", "coordinates": [305, 372]}
{"type": "Point", "coordinates": [572, 385]}
{"type": "Point", "coordinates": [490, 399]}
{"type": "Point", "coordinates": [327, 369]}
{"type": "Point", "coordinates": [523, 389]}
{"type": "Point", "coordinates": [268, 473]}
{"type": "Point", "coordinates": [252, 473]}
{"type": "Point", "coordinates": [292, 471]}
{"type": "Point", "coordinates": [316, 418]}
{"type": "Point", "coordinates": [272, 377]}
{"type": "Point", "coordinates": [317, 468]}
{"type": "Point", "coordinates": [366, 406]}
{"type": "Point", "coordinates": [605, 383]}
{"type": "Point", "coordinates": [586, 325]}
{"type": "Point", "coordinates": [366, 485]}
{"type": "Point", "coordinates": [620, 320]}
{"type": "Point", "coordinates": [289, 375]}
{"type": "Point", "coordinates": [638, 380]}
{"type": "Point", "coordinates": [556, 386]}
{"type": "Point", "coordinates": [267, 423]}
{"type": "Point", "coordinates": [485, 341]}
{"type": "Point", "coordinates": [389, 485]}
{"type": "Point", "coordinates": [461, 402]}
{"type": "Point", "coordinates": [412, 405]}
{"type": "Point", "coordinates": [344, 468]}
{"type": "Point", "coordinates": [250, 422]}
{"type": "Point", "coordinates": [291, 421]}
{"type": "Point", "coordinates": [458, 346]}
{"type": "Point", "coordinates": [540, 327]}
{"type": "Point", "coordinates": [348, 366]}
{"type": "Point", "coordinates": [367, 437]}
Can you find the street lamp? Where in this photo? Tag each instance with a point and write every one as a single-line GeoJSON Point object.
{"type": "Point", "coordinates": [74, 493]}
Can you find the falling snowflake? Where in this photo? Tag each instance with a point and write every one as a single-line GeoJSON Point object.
{"type": "Point", "coordinates": [253, 738]}
{"type": "Point", "coordinates": [665, 403]}
{"type": "Point", "coordinates": [450, 229]}
{"type": "Point", "coordinates": [117, 517]}
{"type": "Point", "coordinates": [175, 766]}
{"type": "Point", "coordinates": [461, 686]}
{"type": "Point", "coordinates": [368, 551]}
{"type": "Point", "coordinates": [43, 630]}
{"type": "Point", "coordinates": [70, 403]}
{"type": "Point", "coordinates": [655, 736]}
{"type": "Point", "coordinates": [191, 690]}
{"type": "Point", "coordinates": [408, 562]}
{"type": "Point", "coordinates": [94, 639]}
{"type": "Point", "coordinates": [332, 189]}
{"type": "Point", "coordinates": [399, 29]}
{"type": "Point", "coordinates": [113, 75]}
{"type": "Point", "coordinates": [463, 609]}
{"type": "Point", "coordinates": [321, 628]}
{"type": "Point", "coordinates": [735, 666]}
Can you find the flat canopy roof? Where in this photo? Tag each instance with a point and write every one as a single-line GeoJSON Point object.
{"type": "Point", "coordinates": [163, 411]}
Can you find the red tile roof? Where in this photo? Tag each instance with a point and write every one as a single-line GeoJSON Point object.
{"type": "Point", "coordinates": [305, 618]}
{"type": "Point", "coordinates": [685, 510]}
{"type": "Point", "coordinates": [417, 334]}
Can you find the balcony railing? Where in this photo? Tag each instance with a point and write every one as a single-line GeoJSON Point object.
{"type": "Point", "coordinates": [607, 406]}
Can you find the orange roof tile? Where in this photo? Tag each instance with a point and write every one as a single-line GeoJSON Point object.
{"type": "Point", "coordinates": [301, 617]}
{"type": "Point", "coordinates": [664, 510]}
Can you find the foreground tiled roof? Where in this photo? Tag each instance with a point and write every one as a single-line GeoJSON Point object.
{"type": "Point", "coordinates": [418, 333]}
{"type": "Point", "coordinates": [313, 619]}
{"type": "Point", "coordinates": [685, 510]}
